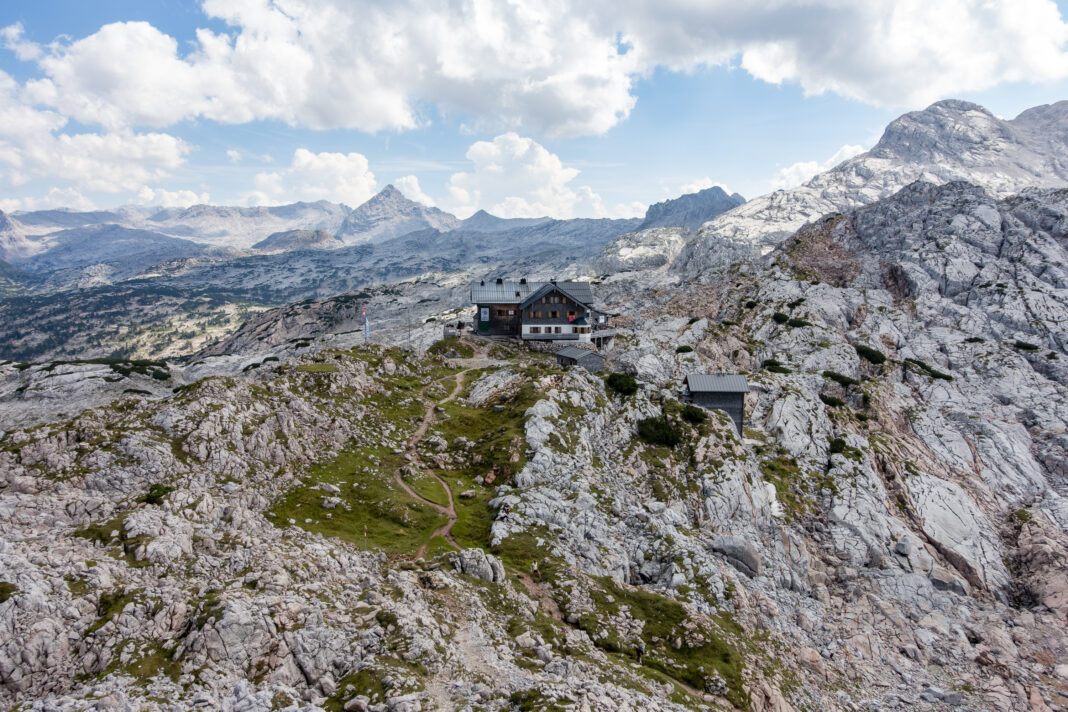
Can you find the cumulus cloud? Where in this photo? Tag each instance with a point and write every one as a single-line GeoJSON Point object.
{"type": "Point", "coordinates": [32, 145]}
{"type": "Point", "coordinates": [516, 177]}
{"type": "Point", "coordinates": [794, 175]}
{"type": "Point", "coordinates": [553, 67]}
{"type": "Point", "coordinates": [409, 185]}
{"type": "Point", "coordinates": [338, 177]}
{"type": "Point", "coordinates": [234, 155]}
{"type": "Point", "coordinates": [55, 198]}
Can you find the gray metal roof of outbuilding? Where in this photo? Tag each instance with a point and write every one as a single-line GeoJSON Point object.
{"type": "Point", "coordinates": [716, 383]}
{"type": "Point", "coordinates": [575, 352]}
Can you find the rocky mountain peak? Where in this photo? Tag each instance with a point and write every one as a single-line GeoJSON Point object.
{"type": "Point", "coordinates": [691, 210]}
{"type": "Point", "coordinates": [390, 213]}
{"type": "Point", "coordinates": [947, 128]}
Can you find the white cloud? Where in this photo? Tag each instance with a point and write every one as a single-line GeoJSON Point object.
{"type": "Point", "coordinates": [234, 155]}
{"type": "Point", "coordinates": [55, 198]}
{"type": "Point", "coordinates": [796, 174]}
{"type": "Point", "coordinates": [171, 199]}
{"type": "Point", "coordinates": [409, 185]}
{"type": "Point", "coordinates": [338, 177]}
{"type": "Point", "coordinates": [516, 177]}
{"type": "Point", "coordinates": [33, 146]}
{"type": "Point", "coordinates": [554, 67]}
{"type": "Point", "coordinates": [700, 184]}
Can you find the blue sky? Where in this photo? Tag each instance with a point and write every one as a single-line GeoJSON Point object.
{"type": "Point", "coordinates": [560, 109]}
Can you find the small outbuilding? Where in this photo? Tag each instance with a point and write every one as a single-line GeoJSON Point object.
{"type": "Point", "coordinates": [574, 356]}
{"type": "Point", "coordinates": [719, 391]}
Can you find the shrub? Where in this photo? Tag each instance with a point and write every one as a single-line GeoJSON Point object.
{"type": "Point", "coordinates": [156, 493]}
{"type": "Point", "coordinates": [780, 318]}
{"type": "Point", "coordinates": [924, 368]}
{"type": "Point", "coordinates": [7, 590]}
{"type": "Point", "coordinates": [794, 323]}
{"type": "Point", "coordinates": [974, 340]}
{"type": "Point", "coordinates": [795, 303]}
{"type": "Point", "coordinates": [874, 355]}
{"type": "Point", "coordinates": [750, 304]}
{"type": "Point", "coordinates": [840, 378]}
{"type": "Point", "coordinates": [1024, 346]}
{"type": "Point", "coordinates": [838, 445]}
{"type": "Point", "coordinates": [693, 320]}
{"type": "Point", "coordinates": [622, 383]}
{"type": "Point", "coordinates": [775, 366]}
{"type": "Point", "coordinates": [693, 414]}
{"type": "Point", "coordinates": [684, 349]}
{"type": "Point", "coordinates": [658, 431]}
{"type": "Point", "coordinates": [832, 401]}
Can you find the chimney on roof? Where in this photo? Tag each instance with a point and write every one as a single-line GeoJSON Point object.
{"type": "Point", "coordinates": [523, 280]}
{"type": "Point", "coordinates": [500, 281]}
{"type": "Point", "coordinates": [482, 283]}
{"type": "Point", "coordinates": [553, 280]}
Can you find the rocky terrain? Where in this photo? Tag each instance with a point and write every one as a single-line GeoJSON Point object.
{"type": "Point", "coordinates": [949, 141]}
{"type": "Point", "coordinates": [296, 519]}
{"type": "Point", "coordinates": [299, 239]}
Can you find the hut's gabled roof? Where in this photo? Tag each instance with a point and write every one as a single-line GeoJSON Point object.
{"type": "Point", "coordinates": [717, 383]}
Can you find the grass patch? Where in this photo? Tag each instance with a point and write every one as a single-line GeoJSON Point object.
{"type": "Point", "coordinates": [523, 549]}
{"type": "Point", "coordinates": [784, 474]}
{"type": "Point", "coordinates": [451, 347]}
{"type": "Point", "coordinates": [498, 449]}
{"type": "Point", "coordinates": [428, 487]}
{"type": "Point", "coordinates": [706, 648]}
{"type": "Point", "coordinates": [370, 501]}
{"type": "Point", "coordinates": [111, 604]}
{"type": "Point", "coordinates": [316, 368]}
{"type": "Point", "coordinates": [102, 534]}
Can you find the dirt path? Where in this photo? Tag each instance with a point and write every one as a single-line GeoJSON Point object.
{"type": "Point", "coordinates": [449, 512]}
{"type": "Point", "coordinates": [535, 589]}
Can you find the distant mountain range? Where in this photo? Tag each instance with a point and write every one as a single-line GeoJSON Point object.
{"type": "Point", "coordinates": [77, 249]}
